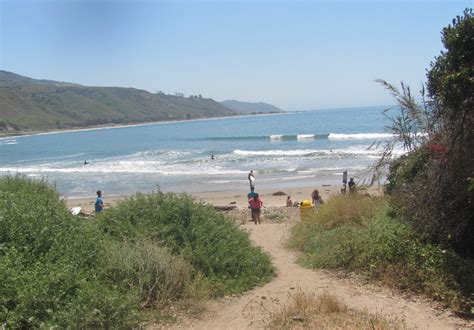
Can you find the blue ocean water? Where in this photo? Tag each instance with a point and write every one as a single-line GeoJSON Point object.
{"type": "Point", "coordinates": [291, 149]}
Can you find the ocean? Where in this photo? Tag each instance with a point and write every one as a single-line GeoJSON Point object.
{"type": "Point", "coordinates": [296, 149]}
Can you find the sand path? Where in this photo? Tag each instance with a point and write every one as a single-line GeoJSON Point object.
{"type": "Point", "coordinates": [252, 309]}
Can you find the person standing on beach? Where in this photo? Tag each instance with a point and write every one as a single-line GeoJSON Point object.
{"type": "Point", "coordinates": [316, 198]}
{"type": "Point", "coordinates": [251, 178]}
{"type": "Point", "coordinates": [256, 206]}
{"type": "Point", "coordinates": [99, 203]}
{"type": "Point", "coordinates": [344, 181]}
{"type": "Point", "coordinates": [352, 186]}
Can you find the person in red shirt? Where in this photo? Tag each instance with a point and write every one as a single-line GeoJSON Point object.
{"type": "Point", "coordinates": [256, 205]}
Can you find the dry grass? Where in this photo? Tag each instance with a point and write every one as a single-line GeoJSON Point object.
{"type": "Point", "coordinates": [353, 210]}
{"type": "Point", "coordinates": [325, 311]}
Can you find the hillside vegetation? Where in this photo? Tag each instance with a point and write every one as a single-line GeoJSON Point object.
{"type": "Point", "coordinates": [37, 105]}
{"type": "Point", "coordinates": [250, 107]}
{"type": "Point", "coordinates": [145, 259]}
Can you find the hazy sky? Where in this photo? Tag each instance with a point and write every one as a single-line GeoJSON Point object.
{"type": "Point", "coordinates": [294, 54]}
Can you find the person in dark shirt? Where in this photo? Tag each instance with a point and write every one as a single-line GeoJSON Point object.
{"type": "Point", "coordinates": [99, 203]}
{"type": "Point", "coordinates": [352, 186]}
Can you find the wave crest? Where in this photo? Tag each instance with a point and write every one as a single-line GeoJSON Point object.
{"type": "Point", "coordinates": [360, 136]}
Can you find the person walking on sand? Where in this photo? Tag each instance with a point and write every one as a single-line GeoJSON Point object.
{"type": "Point", "coordinates": [99, 203]}
{"type": "Point", "coordinates": [316, 198]}
{"type": "Point", "coordinates": [251, 178]}
{"type": "Point", "coordinates": [256, 206]}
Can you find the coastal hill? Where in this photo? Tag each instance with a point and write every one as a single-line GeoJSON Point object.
{"type": "Point", "coordinates": [250, 108]}
{"type": "Point", "coordinates": [28, 105]}
{"type": "Point", "coordinates": [9, 79]}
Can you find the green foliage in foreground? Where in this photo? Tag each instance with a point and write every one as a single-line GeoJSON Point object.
{"type": "Point", "coordinates": [213, 244]}
{"type": "Point", "coordinates": [367, 240]}
{"type": "Point", "coordinates": [61, 271]}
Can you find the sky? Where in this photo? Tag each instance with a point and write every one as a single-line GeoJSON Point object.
{"type": "Point", "coordinates": [297, 55]}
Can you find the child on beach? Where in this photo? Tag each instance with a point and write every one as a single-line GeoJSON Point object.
{"type": "Point", "coordinates": [256, 205]}
{"type": "Point", "coordinates": [316, 198]}
{"type": "Point", "coordinates": [251, 194]}
{"type": "Point", "coordinates": [289, 202]}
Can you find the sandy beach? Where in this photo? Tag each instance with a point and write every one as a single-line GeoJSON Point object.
{"type": "Point", "coordinates": [230, 198]}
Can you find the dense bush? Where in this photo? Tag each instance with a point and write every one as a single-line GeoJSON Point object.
{"type": "Point", "coordinates": [430, 185]}
{"type": "Point", "coordinates": [62, 271]}
{"type": "Point", "coordinates": [158, 276]}
{"type": "Point", "coordinates": [212, 243]}
{"type": "Point", "coordinates": [50, 271]}
{"type": "Point", "coordinates": [383, 248]}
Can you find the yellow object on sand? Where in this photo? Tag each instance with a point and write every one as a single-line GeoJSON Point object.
{"type": "Point", "coordinates": [306, 210]}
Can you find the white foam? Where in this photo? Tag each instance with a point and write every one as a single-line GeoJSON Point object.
{"type": "Point", "coordinates": [323, 153]}
{"type": "Point", "coordinates": [305, 136]}
{"type": "Point", "coordinates": [8, 141]}
{"type": "Point", "coordinates": [273, 152]}
{"type": "Point", "coordinates": [360, 136]}
{"type": "Point", "coordinates": [127, 168]}
{"type": "Point", "coordinates": [276, 137]}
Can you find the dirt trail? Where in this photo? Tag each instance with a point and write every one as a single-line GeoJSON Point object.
{"type": "Point", "coordinates": [253, 308]}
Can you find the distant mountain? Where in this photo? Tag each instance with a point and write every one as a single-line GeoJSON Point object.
{"type": "Point", "coordinates": [250, 108]}
{"type": "Point", "coordinates": [10, 79]}
{"type": "Point", "coordinates": [28, 104]}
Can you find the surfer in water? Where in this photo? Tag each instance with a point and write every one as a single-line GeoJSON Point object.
{"type": "Point", "coordinates": [251, 178]}
{"type": "Point", "coordinates": [86, 162]}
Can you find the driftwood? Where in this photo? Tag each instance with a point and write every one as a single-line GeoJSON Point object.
{"type": "Point", "coordinates": [279, 193]}
{"type": "Point", "coordinates": [225, 208]}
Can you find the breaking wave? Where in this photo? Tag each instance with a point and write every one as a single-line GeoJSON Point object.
{"type": "Point", "coordinates": [298, 137]}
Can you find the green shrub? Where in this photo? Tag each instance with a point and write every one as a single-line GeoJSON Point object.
{"type": "Point", "coordinates": [383, 248]}
{"type": "Point", "coordinates": [354, 210]}
{"type": "Point", "coordinates": [430, 184]}
{"type": "Point", "coordinates": [31, 214]}
{"type": "Point", "coordinates": [50, 272]}
{"type": "Point", "coordinates": [403, 170]}
{"type": "Point", "coordinates": [158, 276]}
{"type": "Point", "coordinates": [152, 252]}
{"type": "Point", "coordinates": [211, 242]}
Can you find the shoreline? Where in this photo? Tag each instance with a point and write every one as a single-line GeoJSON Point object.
{"type": "Point", "coordinates": [237, 198]}
{"type": "Point", "coordinates": [112, 126]}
